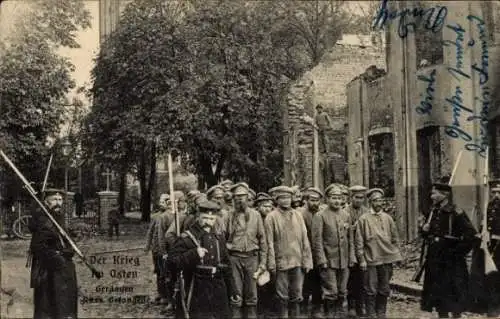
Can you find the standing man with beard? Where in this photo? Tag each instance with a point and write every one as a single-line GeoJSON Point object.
{"type": "Point", "coordinates": [289, 252]}
{"type": "Point", "coordinates": [333, 250]}
{"type": "Point", "coordinates": [246, 243]}
{"type": "Point", "coordinates": [296, 197]}
{"type": "Point", "coordinates": [202, 256]}
{"type": "Point", "coordinates": [355, 293]}
{"type": "Point", "coordinates": [377, 248]}
{"type": "Point", "coordinates": [450, 237]}
{"type": "Point", "coordinates": [53, 274]}
{"type": "Point", "coordinates": [312, 280]}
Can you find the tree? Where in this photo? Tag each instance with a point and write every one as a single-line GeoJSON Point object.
{"type": "Point", "coordinates": [34, 81]}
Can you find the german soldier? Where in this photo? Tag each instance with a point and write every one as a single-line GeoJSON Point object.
{"type": "Point", "coordinates": [312, 280]}
{"type": "Point", "coordinates": [53, 274]}
{"type": "Point", "coordinates": [289, 252]}
{"type": "Point", "coordinates": [355, 209]}
{"type": "Point", "coordinates": [450, 237]}
{"type": "Point", "coordinates": [493, 228]}
{"type": "Point", "coordinates": [201, 254]}
{"type": "Point", "coordinates": [377, 248]}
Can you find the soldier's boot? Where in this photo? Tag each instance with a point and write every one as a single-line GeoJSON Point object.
{"type": "Point", "coordinates": [294, 310]}
{"type": "Point", "coordinates": [360, 308]}
{"type": "Point", "coordinates": [317, 311]}
{"type": "Point", "coordinates": [351, 307]}
{"type": "Point", "coordinates": [370, 307]}
{"type": "Point", "coordinates": [251, 312]}
{"type": "Point", "coordinates": [341, 313]}
{"type": "Point", "coordinates": [282, 309]}
{"type": "Point", "coordinates": [381, 306]}
{"type": "Point", "coordinates": [304, 306]}
{"type": "Point", "coordinates": [236, 312]}
{"type": "Point", "coordinates": [330, 308]}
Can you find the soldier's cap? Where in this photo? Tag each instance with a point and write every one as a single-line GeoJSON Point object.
{"type": "Point", "coordinates": [164, 196]}
{"type": "Point", "coordinates": [313, 192]}
{"type": "Point", "coordinates": [179, 195]}
{"type": "Point", "coordinates": [212, 190]}
{"type": "Point", "coordinates": [357, 189]}
{"type": "Point", "coordinates": [199, 198]}
{"type": "Point", "coordinates": [442, 184]}
{"type": "Point", "coordinates": [192, 194]}
{"type": "Point", "coordinates": [345, 189]}
{"type": "Point", "coordinates": [251, 194]}
{"type": "Point", "coordinates": [228, 196]}
{"type": "Point", "coordinates": [53, 191]}
{"type": "Point", "coordinates": [374, 193]}
{"type": "Point", "coordinates": [226, 183]}
{"type": "Point", "coordinates": [262, 197]}
{"type": "Point", "coordinates": [240, 189]}
{"type": "Point", "coordinates": [208, 207]}
{"type": "Point", "coordinates": [280, 191]}
{"type": "Point", "coordinates": [333, 189]}
{"type": "Point", "coordinates": [494, 185]}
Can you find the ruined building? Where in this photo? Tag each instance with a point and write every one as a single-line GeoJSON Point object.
{"type": "Point", "coordinates": [437, 100]}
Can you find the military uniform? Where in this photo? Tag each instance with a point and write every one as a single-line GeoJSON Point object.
{"type": "Point", "coordinates": [485, 289]}
{"type": "Point", "coordinates": [355, 302]}
{"type": "Point", "coordinates": [208, 278]}
{"type": "Point", "coordinates": [53, 274]}
{"type": "Point", "coordinates": [312, 280]}
{"type": "Point", "coordinates": [450, 238]}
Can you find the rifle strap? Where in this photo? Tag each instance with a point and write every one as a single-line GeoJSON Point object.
{"type": "Point", "coordinates": [196, 242]}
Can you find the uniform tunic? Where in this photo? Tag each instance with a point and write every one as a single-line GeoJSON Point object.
{"type": "Point", "coordinates": [450, 238]}
{"type": "Point", "coordinates": [211, 276]}
{"type": "Point", "coordinates": [53, 274]}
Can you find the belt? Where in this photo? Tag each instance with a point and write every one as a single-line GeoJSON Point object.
{"type": "Point", "coordinates": [446, 237]}
{"type": "Point", "coordinates": [243, 254]}
{"type": "Point", "coordinates": [208, 271]}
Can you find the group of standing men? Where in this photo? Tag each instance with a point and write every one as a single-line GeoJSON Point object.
{"type": "Point", "coordinates": [243, 254]}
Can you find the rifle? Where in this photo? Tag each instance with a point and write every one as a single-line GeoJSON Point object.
{"type": "Point", "coordinates": [425, 246]}
{"type": "Point", "coordinates": [61, 231]}
{"type": "Point", "coordinates": [489, 264]}
{"type": "Point", "coordinates": [180, 286]}
{"type": "Point", "coordinates": [47, 173]}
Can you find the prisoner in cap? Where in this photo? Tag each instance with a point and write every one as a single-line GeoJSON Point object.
{"type": "Point", "coordinates": [264, 204]}
{"type": "Point", "coordinates": [164, 201]}
{"type": "Point", "coordinates": [376, 198]}
{"type": "Point", "coordinates": [313, 197]}
{"type": "Point", "coordinates": [358, 196]}
{"type": "Point", "coordinates": [283, 196]}
{"type": "Point", "coordinates": [240, 196]}
{"type": "Point", "coordinates": [334, 197]}
{"type": "Point", "coordinates": [216, 193]}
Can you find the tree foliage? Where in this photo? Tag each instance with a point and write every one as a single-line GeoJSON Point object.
{"type": "Point", "coordinates": [34, 80]}
{"type": "Point", "coordinates": [207, 78]}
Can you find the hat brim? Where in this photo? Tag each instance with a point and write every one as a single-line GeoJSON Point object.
{"type": "Point", "coordinates": [442, 187]}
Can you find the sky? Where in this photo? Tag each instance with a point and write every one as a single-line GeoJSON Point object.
{"type": "Point", "coordinates": [82, 58]}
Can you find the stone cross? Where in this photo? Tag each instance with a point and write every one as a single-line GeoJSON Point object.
{"type": "Point", "coordinates": [108, 175]}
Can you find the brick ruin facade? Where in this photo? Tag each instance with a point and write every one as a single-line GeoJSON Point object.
{"type": "Point", "coordinates": [325, 85]}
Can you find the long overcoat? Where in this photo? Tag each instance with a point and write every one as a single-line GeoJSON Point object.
{"type": "Point", "coordinates": [53, 274]}
{"type": "Point", "coordinates": [450, 238]}
{"type": "Point", "coordinates": [209, 292]}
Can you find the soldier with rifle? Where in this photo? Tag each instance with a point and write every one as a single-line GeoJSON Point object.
{"type": "Point", "coordinates": [202, 257]}
{"type": "Point", "coordinates": [53, 274]}
{"type": "Point", "coordinates": [450, 236]}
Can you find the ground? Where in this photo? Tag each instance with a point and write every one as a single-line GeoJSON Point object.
{"type": "Point", "coordinates": [134, 263]}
